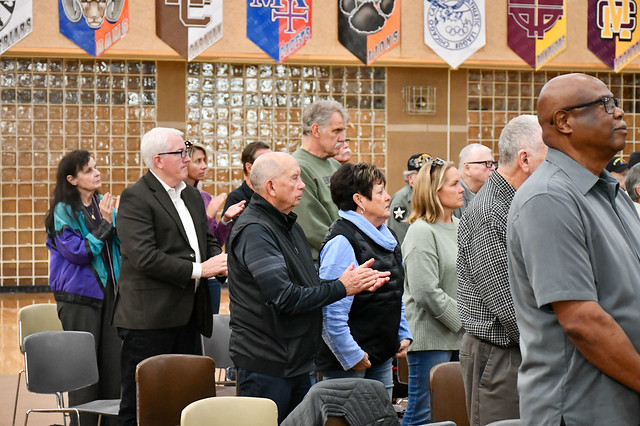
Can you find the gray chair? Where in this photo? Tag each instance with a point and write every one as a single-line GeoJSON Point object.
{"type": "Point", "coordinates": [63, 361]}
{"type": "Point", "coordinates": [217, 346]}
{"type": "Point", "coordinates": [508, 422]}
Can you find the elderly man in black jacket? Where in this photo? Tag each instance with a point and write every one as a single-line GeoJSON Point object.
{"type": "Point", "coordinates": [276, 298]}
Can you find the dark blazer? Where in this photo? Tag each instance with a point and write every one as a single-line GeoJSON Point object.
{"type": "Point", "coordinates": [155, 289]}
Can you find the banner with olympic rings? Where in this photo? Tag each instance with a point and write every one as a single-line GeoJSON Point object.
{"type": "Point", "coordinates": [454, 29]}
{"type": "Point", "coordinates": [537, 29]}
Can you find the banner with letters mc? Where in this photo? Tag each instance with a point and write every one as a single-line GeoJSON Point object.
{"type": "Point", "coordinates": [612, 31]}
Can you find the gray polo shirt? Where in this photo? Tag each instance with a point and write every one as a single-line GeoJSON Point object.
{"type": "Point", "coordinates": [572, 236]}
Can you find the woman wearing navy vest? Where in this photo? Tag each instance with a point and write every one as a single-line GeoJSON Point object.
{"type": "Point", "coordinates": [362, 333]}
{"type": "Point", "coordinates": [431, 282]}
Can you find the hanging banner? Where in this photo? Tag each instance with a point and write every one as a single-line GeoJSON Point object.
{"type": "Point", "coordinates": [16, 22]}
{"type": "Point", "coordinates": [537, 29]}
{"type": "Point", "coordinates": [279, 27]}
{"type": "Point", "coordinates": [94, 26]}
{"type": "Point", "coordinates": [189, 26]}
{"type": "Point", "coordinates": [612, 31]}
{"type": "Point", "coordinates": [369, 29]}
{"type": "Point", "coordinates": [454, 29]}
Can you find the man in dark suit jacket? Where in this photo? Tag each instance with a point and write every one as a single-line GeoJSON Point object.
{"type": "Point", "coordinates": [166, 251]}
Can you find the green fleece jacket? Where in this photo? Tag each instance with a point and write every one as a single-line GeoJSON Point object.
{"type": "Point", "coordinates": [316, 211]}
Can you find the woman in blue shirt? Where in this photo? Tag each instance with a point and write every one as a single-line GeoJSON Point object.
{"type": "Point", "coordinates": [361, 334]}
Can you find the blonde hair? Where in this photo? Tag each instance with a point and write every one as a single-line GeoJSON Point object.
{"type": "Point", "coordinates": [425, 203]}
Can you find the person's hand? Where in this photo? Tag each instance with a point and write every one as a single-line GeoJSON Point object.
{"type": "Point", "coordinates": [356, 280]}
{"type": "Point", "coordinates": [233, 211]}
{"type": "Point", "coordinates": [216, 265]}
{"type": "Point", "coordinates": [363, 364]}
{"type": "Point", "coordinates": [215, 204]}
{"type": "Point", "coordinates": [402, 351]}
{"type": "Point", "coordinates": [107, 204]}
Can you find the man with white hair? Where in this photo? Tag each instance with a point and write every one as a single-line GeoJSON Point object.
{"type": "Point", "coordinates": [277, 297]}
{"type": "Point", "coordinates": [475, 165]}
{"type": "Point", "coordinates": [166, 249]}
{"type": "Point", "coordinates": [632, 186]}
{"type": "Point", "coordinates": [489, 351]}
{"type": "Point", "coordinates": [323, 134]}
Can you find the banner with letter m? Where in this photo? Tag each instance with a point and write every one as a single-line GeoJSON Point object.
{"type": "Point", "coordinates": [612, 31]}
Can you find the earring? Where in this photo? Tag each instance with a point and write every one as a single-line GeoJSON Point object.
{"type": "Point", "coordinates": [362, 210]}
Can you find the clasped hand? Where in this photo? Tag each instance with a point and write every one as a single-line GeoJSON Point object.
{"type": "Point", "coordinates": [356, 280]}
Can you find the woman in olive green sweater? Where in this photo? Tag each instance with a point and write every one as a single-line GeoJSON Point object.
{"type": "Point", "coordinates": [430, 285]}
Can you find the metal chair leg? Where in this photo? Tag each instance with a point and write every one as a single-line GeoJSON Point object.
{"type": "Point", "coordinates": [15, 405]}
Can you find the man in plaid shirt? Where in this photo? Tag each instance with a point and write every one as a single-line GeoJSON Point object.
{"type": "Point", "coordinates": [484, 297]}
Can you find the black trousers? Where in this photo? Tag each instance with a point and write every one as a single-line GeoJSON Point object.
{"type": "Point", "coordinates": [138, 345]}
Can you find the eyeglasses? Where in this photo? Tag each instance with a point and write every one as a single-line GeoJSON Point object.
{"type": "Point", "coordinates": [610, 104]}
{"type": "Point", "coordinates": [488, 164]}
{"type": "Point", "coordinates": [183, 152]}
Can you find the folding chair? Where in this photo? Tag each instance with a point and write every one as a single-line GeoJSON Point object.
{"type": "Point", "coordinates": [230, 410]}
{"type": "Point", "coordinates": [217, 346]}
{"type": "Point", "coordinates": [447, 394]}
{"type": "Point", "coordinates": [168, 383]}
{"type": "Point", "coordinates": [32, 319]}
{"type": "Point", "coordinates": [63, 361]}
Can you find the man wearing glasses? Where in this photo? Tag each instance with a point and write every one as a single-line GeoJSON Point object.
{"type": "Point", "coordinates": [475, 165]}
{"type": "Point", "coordinates": [574, 263]}
{"type": "Point", "coordinates": [489, 351]}
{"type": "Point", "coordinates": [166, 252]}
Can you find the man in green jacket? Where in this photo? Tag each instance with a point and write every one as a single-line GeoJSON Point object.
{"type": "Point", "coordinates": [323, 134]}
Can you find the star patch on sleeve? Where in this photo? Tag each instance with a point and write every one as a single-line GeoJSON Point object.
{"type": "Point", "coordinates": [399, 213]}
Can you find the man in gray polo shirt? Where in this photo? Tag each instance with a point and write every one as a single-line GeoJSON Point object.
{"type": "Point", "coordinates": [574, 263]}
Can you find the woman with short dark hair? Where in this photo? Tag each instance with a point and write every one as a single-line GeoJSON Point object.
{"type": "Point", "coordinates": [362, 333]}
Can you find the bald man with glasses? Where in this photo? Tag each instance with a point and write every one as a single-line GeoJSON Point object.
{"type": "Point", "coordinates": [574, 260]}
{"type": "Point", "coordinates": [167, 252]}
{"type": "Point", "coordinates": [475, 165]}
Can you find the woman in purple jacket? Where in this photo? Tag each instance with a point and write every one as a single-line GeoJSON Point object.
{"type": "Point", "coordinates": [84, 267]}
{"type": "Point", "coordinates": [197, 172]}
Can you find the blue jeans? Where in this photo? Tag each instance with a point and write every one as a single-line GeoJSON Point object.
{"type": "Point", "coordinates": [214, 292]}
{"type": "Point", "coordinates": [420, 363]}
{"type": "Point", "coordinates": [381, 372]}
{"type": "Point", "coordinates": [286, 392]}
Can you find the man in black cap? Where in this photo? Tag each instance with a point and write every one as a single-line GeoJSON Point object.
{"type": "Point", "coordinates": [400, 206]}
{"type": "Point", "coordinates": [619, 169]}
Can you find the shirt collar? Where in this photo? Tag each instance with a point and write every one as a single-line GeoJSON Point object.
{"type": "Point", "coordinates": [579, 175]}
{"type": "Point", "coordinates": [174, 193]}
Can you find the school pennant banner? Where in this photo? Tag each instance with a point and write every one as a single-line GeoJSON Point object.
{"type": "Point", "coordinates": [189, 26]}
{"type": "Point", "coordinates": [537, 29]}
{"type": "Point", "coordinates": [16, 22]}
{"type": "Point", "coordinates": [369, 29]}
{"type": "Point", "coordinates": [94, 28]}
{"type": "Point", "coordinates": [454, 29]}
{"type": "Point", "coordinates": [612, 31]}
{"type": "Point", "coordinates": [279, 27]}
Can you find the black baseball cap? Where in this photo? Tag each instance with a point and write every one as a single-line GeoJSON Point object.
{"type": "Point", "coordinates": [634, 159]}
{"type": "Point", "coordinates": [416, 161]}
{"type": "Point", "coordinates": [617, 165]}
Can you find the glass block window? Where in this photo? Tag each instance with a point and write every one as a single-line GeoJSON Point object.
{"type": "Point", "coordinates": [495, 97]}
{"type": "Point", "coordinates": [231, 105]}
{"type": "Point", "coordinates": [48, 108]}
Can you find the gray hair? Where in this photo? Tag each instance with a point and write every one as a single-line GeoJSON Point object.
{"type": "Point", "coordinates": [154, 142]}
{"type": "Point", "coordinates": [320, 112]}
{"type": "Point", "coordinates": [466, 152]}
{"type": "Point", "coordinates": [632, 181]}
{"type": "Point", "coordinates": [518, 134]}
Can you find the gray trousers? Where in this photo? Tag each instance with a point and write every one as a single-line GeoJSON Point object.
{"type": "Point", "coordinates": [490, 375]}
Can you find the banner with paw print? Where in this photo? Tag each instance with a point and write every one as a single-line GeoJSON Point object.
{"type": "Point", "coordinates": [369, 28]}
